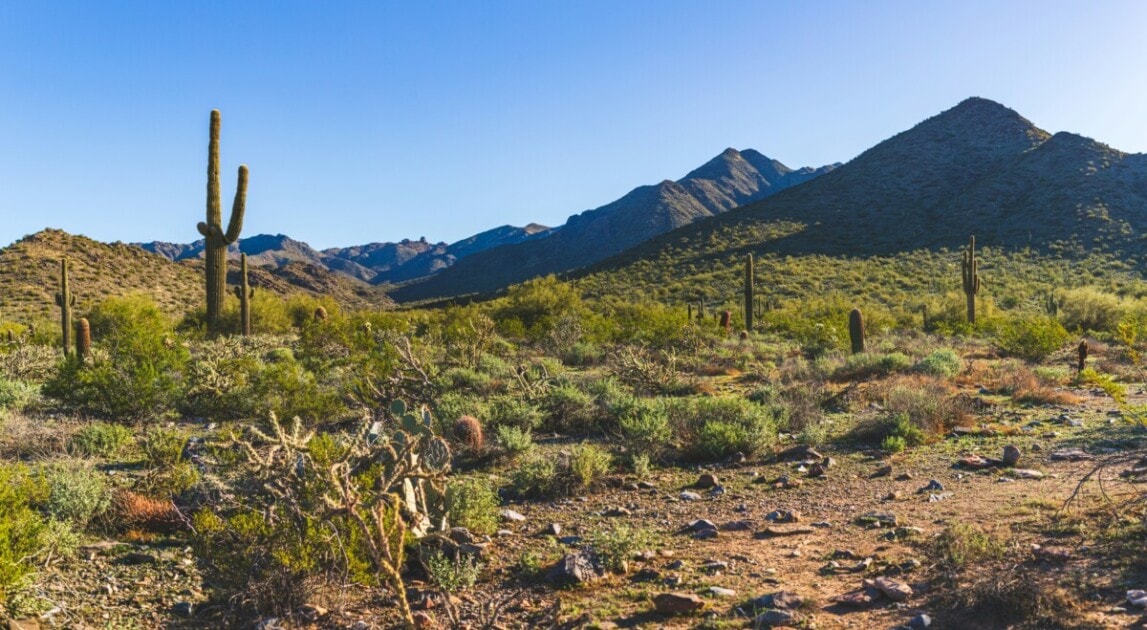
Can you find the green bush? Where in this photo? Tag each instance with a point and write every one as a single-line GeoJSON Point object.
{"type": "Point", "coordinates": [645, 429]}
{"type": "Point", "coordinates": [570, 410]}
{"type": "Point", "coordinates": [163, 447]}
{"type": "Point", "coordinates": [452, 575]}
{"type": "Point", "coordinates": [871, 365]}
{"type": "Point", "coordinates": [514, 412]}
{"type": "Point", "coordinates": [473, 504]}
{"type": "Point", "coordinates": [16, 394]}
{"type": "Point", "coordinates": [588, 463]}
{"type": "Point", "coordinates": [100, 439]}
{"type": "Point", "coordinates": [514, 441]}
{"type": "Point", "coordinates": [944, 363]}
{"type": "Point", "coordinates": [1031, 338]}
{"type": "Point", "coordinates": [23, 532]}
{"type": "Point", "coordinates": [535, 477]}
{"type": "Point", "coordinates": [137, 370]}
{"type": "Point", "coordinates": [75, 495]}
{"type": "Point", "coordinates": [715, 428]}
{"type": "Point", "coordinates": [616, 547]}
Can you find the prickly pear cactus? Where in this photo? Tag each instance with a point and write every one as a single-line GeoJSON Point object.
{"type": "Point", "coordinates": [436, 456]}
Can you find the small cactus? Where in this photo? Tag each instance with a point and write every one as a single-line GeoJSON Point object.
{"type": "Point", "coordinates": [726, 320]}
{"type": "Point", "coordinates": [83, 339]}
{"type": "Point", "coordinates": [244, 292]}
{"type": "Point", "coordinates": [468, 430]}
{"type": "Point", "coordinates": [65, 300]}
{"type": "Point", "coordinates": [856, 330]}
{"type": "Point", "coordinates": [749, 293]}
{"type": "Point", "coordinates": [970, 273]}
{"type": "Point", "coordinates": [1082, 352]}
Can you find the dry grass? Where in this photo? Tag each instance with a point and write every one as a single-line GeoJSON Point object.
{"type": "Point", "coordinates": [135, 512]}
{"type": "Point", "coordinates": [1026, 387]}
{"type": "Point", "coordinates": [26, 438]}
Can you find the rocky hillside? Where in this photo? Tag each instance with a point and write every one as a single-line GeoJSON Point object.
{"type": "Point", "coordinates": [729, 180]}
{"type": "Point", "coordinates": [29, 275]}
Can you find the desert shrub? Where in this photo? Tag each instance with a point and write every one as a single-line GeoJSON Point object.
{"type": "Point", "coordinates": [288, 389]}
{"type": "Point", "coordinates": [645, 428]}
{"type": "Point", "coordinates": [16, 394]}
{"type": "Point", "coordinates": [449, 406]}
{"type": "Point", "coordinates": [535, 477]}
{"type": "Point", "coordinates": [1106, 382]}
{"type": "Point", "coordinates": [616, 547]}
{"type": "Point", "coordinates": [533, 309]}
{"type": "Point", "coordinates": [1088, 309]}
{"type": "Point", "coordinates": [451, 575]}
{"type": "Point", "coordinates": [514, 441]}
{"type": "Point", "coordinates": [612, 400]}
{"type": "Point", "coordinates": [136, 372]}
{"type": "Point", "coordinates": [73, 494]}
{"type": "Point", "coordinates": [162, 446]}
{"type": "Point", "coordinates": [943, 363]}
{"type": "Point", "coordinates": [29, 363]}
{"type": "Point", "coordinates": [894, 444]}
{"type": "Point", "coordinates": [871, 365]}
{"type": "Point", "coordinates": [927, 402]}
{"type": "Point", "coordinates": [715, 428]}
{"type": "Point", "coordinates": [23, 530]}
{"type": "Point", "coordinates": [506, 410]}
{"type": "Point", "coordinates": [473, 504]}
{"type": "Point", "coordinates": [1031, 338]}
{"type": "Point", "coordinates": [465, 379]}
{"type": "Point", "coordinates": [961, 545]}
{"type": "Point", "coordinates": [1027, 386]}
{"type": "Point", "coordinates": [570, 410]}
{"type": "Point", "coordinates": [901, 432]}
{"type": "Point", "coordinates": [588, 463]}
{"type": "Point", "coordinates": [584, 354]}
{"type": "Point", "coordinates": [100, 439]}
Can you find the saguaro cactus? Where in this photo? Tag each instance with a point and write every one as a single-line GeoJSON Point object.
{"type": "Point", "coordinates": [749, 293]}
{"type": "Point", "coordinates": [215, 249]}
{"type": "Point", "coordinates": [244, 292]}
{"type": "Point", "coordinates": [970, 272]}
{"type": "Point", "coordinates": [65, 300]}
{"type": "Point", "coordinates": [856, 330]}
{"type": "Point", "coordinates": [726, 319]}
{"type": "Point", "coordinates": [83, 339]}
{"type": "Point", "coordinates": [1082, 352]}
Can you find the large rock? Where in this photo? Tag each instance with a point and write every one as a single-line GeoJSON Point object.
{"type": "Point", "coordinates": [677, 603]}
{"type": "Point", "coordinates": [1011, 456]}
{"type": "Point", "coordinates": [578, 567]}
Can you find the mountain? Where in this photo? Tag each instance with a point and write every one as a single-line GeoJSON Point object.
{"type": "Point", "coordinates": [978, 168]}
{"type": "Point", "coordinates": [376, 263]}
{"type": "Point", "coordinates": [30, 267]}
{"type": "Point", "coordinates": [729, 180]}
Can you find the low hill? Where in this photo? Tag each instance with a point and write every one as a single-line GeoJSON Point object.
{"type": "Point", "coordinates": [30, 268]}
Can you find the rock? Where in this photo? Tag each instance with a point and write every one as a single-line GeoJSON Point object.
{"type": "Point", "coordinates": [932, 498]}
{"type": "Point", "coordinates": [905, 476]}
{"type": "Point", "coordinates": [504, 532]}
{"type": "Point", "coordinates": [878, 519]}
{"type": "Point", "coordinates": [578, 567]}
{"type": "Point", "coordinates": [136, 557]}
{"type": "Point", "coordinates": [816, 471]}
{"type": "Point", "coordinates": [1137, 598]}
{"type": "Point", "coordinates": [1026, 473]}
{"type": "Point", "coordinates": [774, 531]}
{"type": "Point", "coordinates": [553, 529]}
{"type": "Point", "coordinates": [783, 516]}
{"type": "Point", "coordinates": [570, 540]}
{"type": "Point", "coordinates": [828, 463]}
{"type": "Point", "coordinates": [182, 609]}
{"type": "Point", "coordinates": [423, 621]}
{"type": "Point", "coordinates": [617, 511]}
{"type": "Point", "coordinates": [676, 565]}
{"type": "Point", "coordinates": [1011, 456]}
{"type": "Point", "coordinates": [716, 491]}
{"type": "Point", "coordinates": [645, 485]}
{"type": "Point", "coordinates": [511, 515]}
{"type": "Point", "coordinates": [689, 496]}
{"type": "Point", "coordinates": [717, 591]}
{"type": "Point", "coordinates": [860, 598]}
{"type": "Point", "coordinates": [785, 600]}
{"type": "Point", "coordinates": [737, 458]}
{"type": "Point", "coordinates": [920, 622]}
{"type": "Point", "coordinates": [1071, 455]}
{"type": "Point", "coordinates": [883, 471]}
{"type": "Point", "coordinates": [798, 453]}
{"type": "Point", "coordinates": [706, 481]}
{"type": "Point", "coordinates": [705, 534]}
{"type": "Point", "coordinates": [677, 603]}
{"type": "Point", "coordinates": [715, 566]}
{"type": "Point", "coordinates": [933, 485]}
{"type": "Point", "coordinates": [976, 462]}
{"type": "Point", "coordinates": [896, 591]}
{"type": "Point", "coordinates": [700, 524]}
{"type": "Point", "coordinates": [738, 526]}
{"type": "Point", "coordinates": [461, 535]}
{"type": "Point", "coordinates": [776, 618]}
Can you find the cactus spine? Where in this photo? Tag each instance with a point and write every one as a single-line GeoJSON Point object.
{"type": "Point", "coordinates": [244, 292]}
{"type": "Point", "coordinates": [65, 300]}
{"type": "Point", "coordinates": [856, 330]}
{"type": "Point", "coordinates": [970, 272]}
{"type": "Point", "coordinates": [215, 248]}
{"type": "Point", "coordinates": [749, 293]}
{"type": "Point", "coordinates": [83, 339]}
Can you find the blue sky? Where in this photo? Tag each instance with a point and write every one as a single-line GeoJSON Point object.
{"type": "Point", "coordinates": [378, 121]}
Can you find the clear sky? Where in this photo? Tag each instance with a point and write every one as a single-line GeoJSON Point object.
{"type": "Point", "coordinates": [376, 121]}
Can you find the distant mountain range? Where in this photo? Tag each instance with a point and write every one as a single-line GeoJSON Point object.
{"type": "Point", "coordinates": [508, 254]}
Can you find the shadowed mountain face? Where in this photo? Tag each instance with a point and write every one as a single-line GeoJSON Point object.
{"type": "Point", "coordinates": [729, 180]}
{"type": "Point", "coordinates": [978, 168]}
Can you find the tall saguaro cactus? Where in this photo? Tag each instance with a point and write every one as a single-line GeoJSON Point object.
{"type": "Point", "coordinates": [65, 300]}
{"type": "Point", "coordinates": [244, 292]}
{"type": "Point", "coordinates": [970, 272]}
{"type": "Point", "coordinates": [749, 293]}
{"type": "Point", "coordinates": [856, 330]}
{"type": "Point", "coordinates": [215, 249]}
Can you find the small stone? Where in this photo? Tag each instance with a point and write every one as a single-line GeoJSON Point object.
{"type": "Point", "coordinates": [896, 591]}
{"type": "Point", "coordinates": [423, 621]}
{"type": "Point", "coordinates": [575, 568]}
{"type": "Point", "coordinates": [676, 565]}
{"type": "Point", "coordinates": [700, 524]}
{"type": "Point", "coordinates": [920, 622]}
{"type": "Point", "coordinates": [1027, 473]}
{"type": "Point", "coordinates": [776, 618]}
{"type": "Point", "coordinates": [883, 471]}
{"type": "Point", "coordinates": [570, 540]}
{"type": "Point", "coordinates": [182, 609]}
{"type": "Point", "coordinates": [816, 471]}
{"type": "Point", "coordinates": [1011, 456]}
{"type": "Point", "coordinates": [617, 511]}
{"type": "Point", "coordinates": [822, 524]}
{"type": "Point", "coordinates": [677, 603]}
{"type": "Point", "coordinates": [933, 485]}
{"type": "Point", "coordinates": [715, 566]}
{"type": "Point", "coordinates": [553, 529]}
{"type": "Point", "coordinates": [783, 516]}
{"type": "Point", "coordinates": [798, 453]}
{"type": "Point", "coordinates": [689, 496]}
{"type": "Point", "coordinates": [878, 519]}
{"type": "Point", "coordinates": [705, 534]}
{"type": "Point", "coordinates": [775, 531]}
{"type": "Point", "coordinates": [717, 591]}
{"type": "Point", "coordinates": [738, 526]}
{"type": "Point", "coordinates": [511, 515]}
{"type": "Point", "coordinates": [645, 485]}
{"type": "Point", "coordinates": [1137, 598]}
{"type": "Point", "coordinates": [1071, 455]}
{"type": "Point", "coordinates": [905, 476]}
{"type": "Point", "coordinates": [706, 480]}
